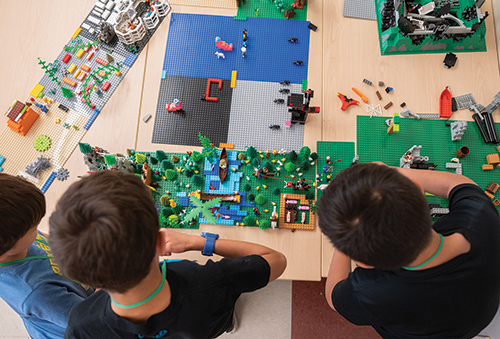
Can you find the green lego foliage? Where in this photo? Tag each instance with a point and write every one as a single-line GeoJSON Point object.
{"type": "Point", "coordinates": [197, 180]}
{"type": "Point", "coordinates": [305, 152]}
{"type": "Point", "coordinates": [310, 195]}
{"type": "Point", "coordinates": [67, 93]}
{"type": "Point", "coordinates": [177, 209]}
{"type": "Point", "coordinates": [189, 172]}
{"type": "Point", "coordinates": [290, 167]}
{"type": "Point", "coordinates": [314, 156]}
{"type": "Point", "coordinates": [170, 174]}
{"type": "Point", "coordinates": [251, 197]}
{"type": "Point", "coordinates": [269, 166]}
{"type": "Point", "coordinates": [305, 165]}
{"type": "Point", "coordinates": [167, 211]}
{"type": "Point", "coordinates": [174, 158]}
{"type": "Point", "coordinates": [250, 220]}
{"type": "Point", "coordinates": [84, 147]}
{"type": "Point", "coordinates": [247, 187]}
{"type": "Point", "coordinates": [138, 168]}
{"type": "Point", "coordinates": [173, 221]}
{"type": "Point", "coordinates": [255, 162]}
{"type": "Point", "coordinates": [167, 164]}
{"type": "Point", "coordinates": [196, 156]}
{"type": "Point", "coordinates": [109, 159]}
{"type": "Point", "coordinates": [203, 208]}
{"type": "Point", "coordinates": [241, 156]}
{"type": "Point", "coordinates": [165, 200]}
{"type": "Point", "coordinates": [140, 158]}
{"type": "Point", "coordinates": [251, 152]}
{"type": "Point", "coordinates": [276, 191]}
{"type": "Point", "coordinates": [260, 199]}
{"type": "Point", "coordinates": [130, 152]}
{"type": "Point", "coordinates": [264, 223]}
{"type": "Point", "coordinates": [292, 155]}
{"type": "Point", "coordinates": [160, 155]}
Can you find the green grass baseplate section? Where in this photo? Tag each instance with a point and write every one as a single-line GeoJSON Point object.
{"type": "Point", "coordinates": [392, 42]}
{"type": "Point", "coordinates": [267, 9]}
{"type": "Point", "coordinates": [374, 144]}
{"type": "Point", "coordinates": [336, 151]}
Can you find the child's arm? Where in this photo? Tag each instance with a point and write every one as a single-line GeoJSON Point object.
{"type": "Point", "coordinates": [436, 182]}
{"type": "Point", "coordinates": [175, 242]}
{"type": "Point", "coordinates": [340, 267]}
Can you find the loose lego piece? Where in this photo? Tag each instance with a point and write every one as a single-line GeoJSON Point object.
{"type": "Point", "coordinates": [361, 95]}
{"type": "Point", "coordinates": [368, 82]}
{"type": "Point", "coordinates": [381, 84]}
{"type": "Point", "coordinates": [456, 166]}
{"type": "Point", "coordinates": [146, 118]}
{"type": "Point", "coordinates": [462, 152]}
{"type": "Point", "coordinates": [389, 89]}
{"type": "Point", "coordinates": [312, 27]}
{"type": "Point", "coordinates": [378, 95]}
{"type": "Point", "coordinates": [487, 167]}
{"type": "Point", "coordinates": [403, 104]}
{"type": "Point", "coordinates": [445, 104]}
{"type": "Point", "coordinates": [62, 174]}
{"type": "Point", "coordinates": [373, 110]}
{"type": "Point", "coordinates": [450, 60]}
{"type": "Point", "coordinates": [175, 106]}
{"type": "Point", "coordinates": [233, 79]}
{"type": "Point", "coordinates": [389, 104]}
{"type": "Point", "coordinates": [457, 130]}
{"type": "Point", "coordinates": [207, 96]}
{"type": "Point", "coordinates": [492, 187]}
{"type": "Point", "coordinates": [496, 202]}
{"type": "Point", "coordinates": [223, 45]}
{"type": "Point", "coordinates": [346, 102]}
{"type": "Point", "coordinates": [491, 196]}
{"type": "Point", "coordinates": [492, 159]}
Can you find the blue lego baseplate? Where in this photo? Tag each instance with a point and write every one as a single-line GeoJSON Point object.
{"type": "Point", "coordinates": [190, 50]}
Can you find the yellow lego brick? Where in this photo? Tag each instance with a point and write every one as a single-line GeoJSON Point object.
{"type": "Point", "coordinates": [37, 89]}
{"type": "Point", "coordinates": [395, 128]}
{"type": "Point", "coordinates": [76, 73]}
{"type": "Point", "coordinates": [78, 30]}
{"type": "Point", "coordinates": [80, 53]}
{"type": "Point", "coordinates": [233, 79]}
{"type": "Point", "coordinates": [71, 68]}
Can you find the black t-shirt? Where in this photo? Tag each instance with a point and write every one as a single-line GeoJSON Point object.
{"type": "Point", "coordinates": [454, 300]}
{"type": "Point", "coordinates": [201, 306]}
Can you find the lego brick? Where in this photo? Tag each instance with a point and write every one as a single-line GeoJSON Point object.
{"type": "Point", "coordinates": [361, 9]}
{"type": "Point", "coordinates": [37, 89]}
{"type": "Point", "coordinates": [77, 73]}
{"type": "Point", "coordinates": [47, 183]}
{"type": "Point", "coordinates": [200, 30]}
{"type": "Point", "coordinates": [81, 76]}
{"type": "Point", "coordinates": [226, 145]}
{"type": "Point", "coordinates": [86, 26]}
{"type": "Point", "coordinates": [465, 101]}
{"type": "Point", "coordinates": [90, 121]}
{"type": "Point", "coordinates": [491, 196]}
{"type": "Point", "coordinates": [496, 202]}
{"type": "Point", "coordinates": [492, 187]}
{"type": "Point", "coordinates": [105, 86]}
{"type": "Point", "coordinates": [101, 61]}
{"type": "Point", "coordinates": [71, 68]}
{"type": "Point", "coordinates": [80, 53]}
{"type": "Point", "coordinates": [130, 59]}
{"type": "Point", "coordinates": [373, 144]}
{"type": "Point", "coordinates": [66, 58]}
{"type": "Point", "coordinates": [77, 32]}
{"type": "Point", "coordinates": [492, 159]}
{"type": "Point", "coordinates": [110, 5]}
{"type": "Point", "coordinates": [69, 82]}
{"type": "Point", "coordinates": [487, 167]}
{"type": "Point", "coordinates": [233, 79]}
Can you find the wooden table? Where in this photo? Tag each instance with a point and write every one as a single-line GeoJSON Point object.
{"type": "Point", "coordinates": [342, 52]}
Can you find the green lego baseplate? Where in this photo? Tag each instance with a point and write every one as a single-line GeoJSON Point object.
{"type": "Point", "coordinates": [270, 9]}
{"type": "Point", "coordinates": [393, 42]}
{"type": "Point", "coordinates": [374, 144]}
{"type": "Point", "coordinates": [343, 151]}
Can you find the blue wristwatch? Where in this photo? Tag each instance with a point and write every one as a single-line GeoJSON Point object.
{"type": "Point", "coordinates": [210, 238]}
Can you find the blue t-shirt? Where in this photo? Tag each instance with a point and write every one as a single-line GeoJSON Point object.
{"type": "Point", "coordinates": [40, 294]}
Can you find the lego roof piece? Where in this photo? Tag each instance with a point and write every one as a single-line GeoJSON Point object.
{"type": "Point", "coordinates": [15, 110]}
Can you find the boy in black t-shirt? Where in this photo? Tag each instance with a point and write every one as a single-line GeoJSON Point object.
{"type": "Point", "coordinates": [105, 232]}
{"type": "Point", "coordinates": [414, 279]}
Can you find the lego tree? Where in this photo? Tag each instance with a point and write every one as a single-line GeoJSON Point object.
{"type": "Point", "coordinates": [209, 150]}
{"type": "Point", "coordinates": [203, 208]}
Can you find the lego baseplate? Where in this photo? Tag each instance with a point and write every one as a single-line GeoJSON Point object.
{"type": "Point", "coordinates": [284, 213]}
{"type": "Point", "coordinates": [267, 9]}
{"type": "Point", "coordinates": [269, 57]}
{"type": "Point", "coordinates": [374, 144]}
{"type": "Point", "coordinates": [361, 9]}
{"type": "Point", "coordinates": [19, 150]}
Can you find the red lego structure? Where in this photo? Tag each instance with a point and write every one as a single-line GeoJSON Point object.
{"type": "Point", "coordinates": [207, 96]}
{"type": "Point", "coordinates": [299, 106]}
{"type": "Point", "coordinates": [346, 102]}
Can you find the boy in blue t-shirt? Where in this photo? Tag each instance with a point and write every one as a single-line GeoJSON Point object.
{"type": "Point", "coordinates": [30, 281]}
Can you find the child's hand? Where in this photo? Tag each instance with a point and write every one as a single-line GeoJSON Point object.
{"type": "Point", "coordinates": [176, 242]}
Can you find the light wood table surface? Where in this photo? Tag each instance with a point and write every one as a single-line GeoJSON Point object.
{"type": "Point", "coordinates": [342, 52]}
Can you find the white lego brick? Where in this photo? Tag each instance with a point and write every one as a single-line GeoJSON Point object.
{"type": "Point", "coordinates": [104, 1]}
{"type": "Point", "coordinates": [106, 14]}
{"type": "Point", "coordinates": [110, 5]}
{"type": "Point", "coordinates": [86, 26]}
{"type": "Point", "coordinates": [91, 30]}
{"type": "Point", "coordinates": [99, 4]}
{"type": "Point", "coordinates": [96, 13]}
{"type": "Point", "coordinates": [427, 8]}
{"type": "Point", "coordinates": [93, 19]}
{"type": "Point", "coordinates": [98, 10]}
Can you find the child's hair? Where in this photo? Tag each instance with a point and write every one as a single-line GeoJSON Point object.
{"type": "Point", "coordinates": [104, 231]}
{"type": "Point", "coordinates": [22, 206]}
{"type": "Point", "coordinates": [375, 215]}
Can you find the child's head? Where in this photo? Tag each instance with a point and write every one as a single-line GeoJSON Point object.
{"type": "Point", "coordinates": [375, 215]}
{"type": "Point", "coordinates": [22, 206]}
{"type": "Point", "coordinates": [104, 231]}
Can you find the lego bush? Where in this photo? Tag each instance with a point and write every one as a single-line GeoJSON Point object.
{"type": "Point", "coordinates": [174, 158]}
{"type": "Point", "coordinates": [173, 221]}
{"type": "Point", "coordinates": [250, 220]}
{"type": "Point", "coordinates": [196, 156]}
{"type": "Point", "coordinates": [251, 152]}
{"type": "Point", "coordinates": [290, 167]}
{"type": "Point", "coordinates": [310, 195]}
{"type": "Point", "coordinates": [197, 180]}
{"type": "Point", "coordinates": [264, 223]}
{"type": "Point", "coordinates": [160, 155]}
{"type": "Point", "coordinates": [241, 156]}
{"type": "Point", "coordinates": [164, 200]}
{"type": "Point", "coordinates": [292, 156]}
{"type": "Point", "coordinates": [251, 197]}
{"type": "Point", "coordinates": [305, 152]}
{"type": "Point", "coordinates": [305, 165]}
{"type": "Point", "coordinates": [140, 158]}
{"type": "Point", "coordinates": [130, 152]}
{"type": "Point", "coordinates": [276, 191]}
{"type": "Point", "coordinates": [170, 174]}
{"type": "Point", "coordinates": [153, 160]}
{"type": "Point", "coordinates": [314, 156]}
{"type": "Point", "coordinates": [84, 147]}
{"type": "Point", "coordinates": [109, 159]}
{"type": "Point", "coordinates": [247, 187]}
{"type": "Point", "coordinates": [260, 199]}
{"type": "Point", "coordinates": [189, 172]}
{"type": "Point", "coordinates": [138, 168]}
{"type": "Point", "coordinates": [167, 164]}
{"type": "Point", "coordinates": [269, 166]}
{"type": "Point", "coordinates": [167, 211]}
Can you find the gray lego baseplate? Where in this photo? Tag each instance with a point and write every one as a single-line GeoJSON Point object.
{"type": "Point", "coordinates": [253, 110]}
{"type": "Point", "coordinates": [361, 9]}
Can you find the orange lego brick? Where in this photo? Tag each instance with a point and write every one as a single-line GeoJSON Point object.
{"type": "Point", "coordinates": [69, 82]}
{"type": "Point", "coordinates": [487, 167]}
{"type": "Point", "coordinates": [23, 125]}
{"type": "Point", "coordinates": [496, 202]}
{"type": "Point", "coordinates": [227, 146]}
{"type": "Point", "coordinates": [81, 76]}
{"type": "Point", "coordinates": [491, 196]}
{"type": "Point", "coordinates": [85, 67]}
{"type": "Point", "coordinates": [492, 159]}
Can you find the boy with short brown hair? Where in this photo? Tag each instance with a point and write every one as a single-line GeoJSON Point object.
{"type": "Point", "coordinates": [106, 233]}
{"type": "Point", "coordinates": [30, 281]}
